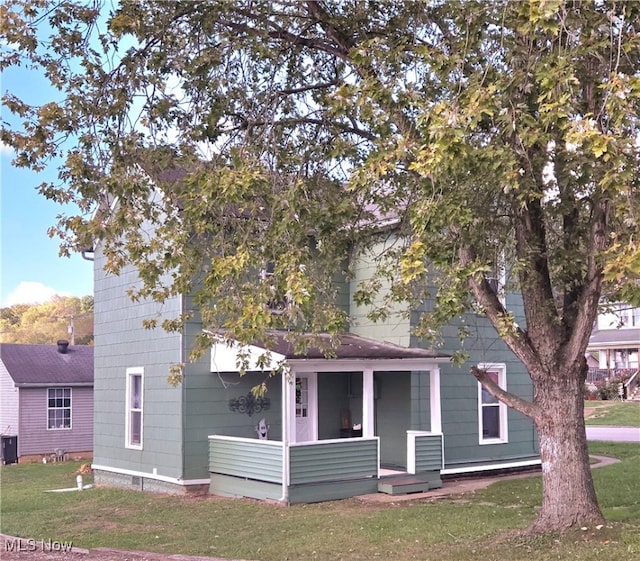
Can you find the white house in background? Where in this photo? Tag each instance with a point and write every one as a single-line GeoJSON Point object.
{"type": "Point", "coordinates": [615, 340]}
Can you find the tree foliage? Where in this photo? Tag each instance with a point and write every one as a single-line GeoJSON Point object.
{"type": "Point", "coordinates": [62, 317]}
{"type": "Point", "coordinates": [278, 136]}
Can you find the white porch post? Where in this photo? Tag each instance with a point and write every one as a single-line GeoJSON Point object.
{"type": "Point", "coordinates": [288, 404]}
{"type": "Point", "coordinates": [367, 403]}
{"type": "Point", "coordinates": [434, 396]}
{"type": "Point", "coordinates": [287, 375]}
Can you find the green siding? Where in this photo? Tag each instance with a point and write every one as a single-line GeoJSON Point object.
{"type": "Point", "coordinates": [428, 450]}
{"type": "Point", "coordinates": [207, 410]}
{"type": "Point", "coordinates": [331, 491]}
{"type": "Point", "coordinates": [257, 459]}
{"type": "Point", "coordinates": [420, 401]}
{"type": "Point", "coordinates": [459, 394]}
{"type": "Point", "coordinates": [393, 416]}
{"type": "Point", "coordinates": [228, 486]}
{"type": "Point", "coordinates": [122, 342]}
{"type": "Point", "coordinates": [332, 400]}
{"type": "Point", "coordinates": [333, 461]}
{"type": "Point", "coordinates": [397, 329]}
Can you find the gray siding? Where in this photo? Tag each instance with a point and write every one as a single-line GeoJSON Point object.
{"type": "Point", "coordinates": [8, 403]}
{"type": "Point", "coordinates": [36, 438]}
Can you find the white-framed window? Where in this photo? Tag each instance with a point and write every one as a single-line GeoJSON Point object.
{"type": "Point", "coordinates": [492, 413]}
{"type": "Point", "coordinates": [134, 407]}
{"type": "Point", "coordinates": [58, 408]}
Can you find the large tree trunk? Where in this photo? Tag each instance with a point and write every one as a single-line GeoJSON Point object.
{"type": "Point", "coordinates": [568, 493]}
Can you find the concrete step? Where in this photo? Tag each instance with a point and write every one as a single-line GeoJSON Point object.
{"type": "Point", "coordinates": [406, 483]}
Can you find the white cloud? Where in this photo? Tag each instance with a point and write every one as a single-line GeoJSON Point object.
{"type": "Point", "coordinates": [6, 150]}
{"type": "Point", "coordinates": [29, 292]}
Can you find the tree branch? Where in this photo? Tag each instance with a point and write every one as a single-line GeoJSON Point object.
{"type": "Point", "coordinates": [511, 400]}
{"type": "Point", "coordinates": [515, 338]}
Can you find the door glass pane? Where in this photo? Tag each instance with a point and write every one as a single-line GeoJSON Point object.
{"type": "Point", "coordinates": [302, 397]}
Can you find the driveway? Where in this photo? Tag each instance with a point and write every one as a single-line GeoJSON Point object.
{"type": "Point", "coordinates": [614, 434]}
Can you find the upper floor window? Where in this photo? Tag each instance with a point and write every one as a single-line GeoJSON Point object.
{"type": "Point", "coordinates": [492, 413]}
{"type": "Point", "coordinates": [618, 316]}
{"type": "Point", "coordinates": [58, 408]}
{"type": "Point", "coordinates": [134, 397]}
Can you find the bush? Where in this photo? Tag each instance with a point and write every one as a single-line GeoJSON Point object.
{"type": "Point", "coordinates": [608, 388]}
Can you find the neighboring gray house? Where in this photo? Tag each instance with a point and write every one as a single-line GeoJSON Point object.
{"type": "Point", "coordinates": [334, 427]}
{"type": "Point", "coordinates": [47, 398]}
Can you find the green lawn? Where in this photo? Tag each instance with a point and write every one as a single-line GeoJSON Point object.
{"type": "Point", "coordinates": [613, 413]}
{"type": "Point", "coordinates": [474, 526]}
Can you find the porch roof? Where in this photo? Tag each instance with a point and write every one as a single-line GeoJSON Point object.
{"type": "Point", "coordinates": [614, 338]}
{"type": "Point", "coordinates": [351, 347]}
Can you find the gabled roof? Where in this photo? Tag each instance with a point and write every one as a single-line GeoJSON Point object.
{"type": "Point", "coordinates": [43, 365]}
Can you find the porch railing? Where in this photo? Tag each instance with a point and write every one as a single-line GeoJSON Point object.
{"type": "Point", "coordinates": [632, 385]}
{"type": "Point", "coordinates": [425, 451]}
{"type": "Point", "coordinates": [309, 462]}
{"type": "Point", "coordinates": [261, 460]}
{"type": "Point", "coordinates": [333, 460]}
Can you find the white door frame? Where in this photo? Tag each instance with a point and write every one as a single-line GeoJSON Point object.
{"type": "Point", "coordinates": [312, 404]}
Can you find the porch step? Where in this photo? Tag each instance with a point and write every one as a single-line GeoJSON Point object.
{"type": "Point", "coordinates": [409, 483]}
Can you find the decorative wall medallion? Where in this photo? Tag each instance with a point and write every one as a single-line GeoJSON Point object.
{"type": "Point", "coordinates": [249, 404]}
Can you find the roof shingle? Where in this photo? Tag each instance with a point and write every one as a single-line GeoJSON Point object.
{"type": "Point", "coordinates": [42, 365]}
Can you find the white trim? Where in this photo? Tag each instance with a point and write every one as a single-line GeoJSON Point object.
{"type": "Point", "coordinates": [133, 371]}
{"type": "Point", "coordinates": [224, 357]}
{"type": "Point", "coordinates": [286, 389]}
{"type": "Point", "coordinates": [490, 467]}
{"type": "Point", "coordinates": [155, 476]}
{"type": "Point", "coordinates": [435, 405]}
{"type": "Point", "coordinates": [334, 441]}
{"type": "Point", "coordinates": [359, 365]}
{"type": "Point", "coordinates": [368, 397]}
{"type": "Point", "coordinates": [501, 369]}
{"type": "Point", "coordinates": [244, 439]}
{"type": "Point", "coordinates": [312, 405]}
{"type": "Point", "coordinates": [411, 447]}
{"type": "Point", "coordinates": [67, 387]}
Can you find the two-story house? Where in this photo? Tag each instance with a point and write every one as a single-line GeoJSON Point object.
{"type": "Point", "coordinates": [327, 428]}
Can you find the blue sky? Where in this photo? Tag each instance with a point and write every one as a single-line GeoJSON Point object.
{"type": "Point", "coordinates": [30, 268]}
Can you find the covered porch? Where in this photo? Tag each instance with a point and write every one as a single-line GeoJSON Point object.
{"type": "Point", "coordinates": [346, 422]}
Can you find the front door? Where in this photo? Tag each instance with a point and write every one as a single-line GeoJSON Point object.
{"type": "Point", "coordinates": [393, 416]}
{"type": "Point", "coordinates": [306, 407]}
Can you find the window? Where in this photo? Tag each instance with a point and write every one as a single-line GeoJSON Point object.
{"type": "Point", "coordinates": [58, 408]}
{"type": "Point", "coordinates": [134, 407]}
{"type": "Point", "coordinates": [278, 302]}
{"type": "Point", "coordinates": [492, 414]}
